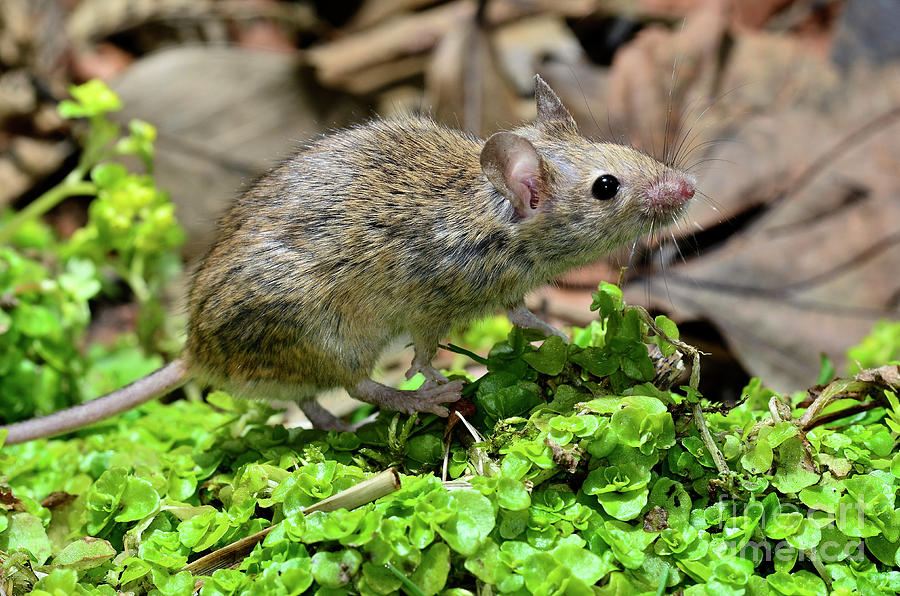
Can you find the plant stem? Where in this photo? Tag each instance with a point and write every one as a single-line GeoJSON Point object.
{"type": "Point", "coordinates": [70, 187]}
{"type": "Point", "coordinates": [407, 583]}
{"type": "Point", "coordinates": [706, 437]}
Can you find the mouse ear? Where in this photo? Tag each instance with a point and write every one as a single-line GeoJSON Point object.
{"type": "Point", "coordinates": [513, 166]}
{"type": "Point", "coordinates": [550, 110]}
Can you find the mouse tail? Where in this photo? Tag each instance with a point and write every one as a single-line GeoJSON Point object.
{"type": "Point", "coordinates": [157, 383]}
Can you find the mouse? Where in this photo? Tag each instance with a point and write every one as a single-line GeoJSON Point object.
{"type": "Point", "coordinates": [395, 227]}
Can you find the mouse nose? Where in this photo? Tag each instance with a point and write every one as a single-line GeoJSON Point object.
{"type": "Point", "coordinates": [671, 192]}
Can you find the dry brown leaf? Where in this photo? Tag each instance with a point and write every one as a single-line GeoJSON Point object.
{"type": "Point", "coordinates": [465, 85]}
{"type": "Point", "coordinates": [818, 266]}
{"type": "Point", "coordinates": [103, 61]}
{"type": "Point", "coordinates": [373, 12]}
{"type": "Point", "coordinates": [883, 375]}
{"type": "Point", "coordinates": [223, 116]}
{"type": "Point", "coordinates": [661, 72]}
{"type": "Point", "coordinates": [338, 63]}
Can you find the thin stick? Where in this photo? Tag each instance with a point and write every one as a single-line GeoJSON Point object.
{"type": "Point", "coordinates": [365, 492]}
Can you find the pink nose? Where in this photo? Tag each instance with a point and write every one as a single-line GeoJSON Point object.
{"type": "Point", "coordinates": [671, 192]}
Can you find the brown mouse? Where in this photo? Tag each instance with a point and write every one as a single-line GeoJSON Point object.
{"type": "Point", "coordinates": [398, 226]}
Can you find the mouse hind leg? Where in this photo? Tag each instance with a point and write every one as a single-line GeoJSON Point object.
{"type": "Point", "coordinates": [322, 419]}
{"type": "Point", "coordinates": [426, 345]}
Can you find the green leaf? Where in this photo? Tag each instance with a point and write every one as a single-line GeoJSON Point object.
{"type": "Point", "coordinates": [431, 574]}
{"type": "Point", "coordinates": [484, 563]}
{"type": "Point", "coordinates": [79, 280]}
{"type": "Point", "coordinates": [638, 366]}
{"type": "Point", "coordinates": [826, 369]}
{"type": "Point", "coordinates": [550, 358]}
{"type": "Point", "coordinates": [164, 549]}
{"type": "Point", "coordinates": [627, 542]}
{"type": "Point", "coordinates": [625, 505]}
{"type": "Point", "coordinates": [781, 431]}
{"type": "Point", "coordinates": [223, 582]}
{"type": "Point", "coordinates": [874, 492]}
{"type": "Point", "coordinates": [582, 563]}
{"type": "Point", "coordinates": [140, 499]}
{"type": "Point", "coordinates": [784, 525]}
{"type": "Point", "coordinates": [139, 142]}
{"type": "Point", "coordinates": [109, 175]}
{"type": "Point", "coordinates": [379, 580]}
{"type": "Point", "coordinates": [335, 569]}
{"type": "Point", "coordinates": [759, 458]}
{"type": "Point", "coordinates": [203, 531]}
{"type": "Point", "coordinates": [36, 321]}
{"type": "Point", "coordinates": [565, 397]}
{"type": "Point", "coordinates": [607, 300]}
{"type": "Point", "coordinates": [791, 473]}
{"type": "Point", "coordinates": [60, 582]}
{"type": "Point", "coordinates": [85, 553]}
{"type": "Point", "coordinates": [90, 99]}
{"type": "Point", "coordinates": [425, 448]}
{"type": "Point", "coordinates": [25, 532]}
{"type": "Point", "coordinates": [883, 550]}
{"type": "Point", "coordinates": [735, 571]}
{"type": "Point", "coordinates": [696, 448]}
{"type": "Point", "coordinates": [512, 495]}
{"type": "Point", "coordinates": [178, 584]}
{"type": "Point", "coordinates": [596, 361]}
{"type": "Point", "coordinates": [644, 422]}
{"type": "Point", "coordinates": [509, 401]}
{"type": "Point", "coordinates": [472, 521]}
{"type": "Point", "coordinates": [668, 327]}
{"type": "Point", "coordinates": [807, 536]}
{"type": "Point", "coordinates": [799, 583]}
{"type": "Point", "coordinates": [135, 569]}
{"type": "Point", "coordinates": [823, 497]}
{"type": "Point", "coordinates": [836, 546]}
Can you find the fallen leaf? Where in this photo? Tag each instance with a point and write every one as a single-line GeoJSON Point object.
{"type": "Point", "coordinates": [224, 115]}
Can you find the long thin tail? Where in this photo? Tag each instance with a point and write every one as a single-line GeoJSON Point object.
{"type": "Point", "coordinates": [157, 383]}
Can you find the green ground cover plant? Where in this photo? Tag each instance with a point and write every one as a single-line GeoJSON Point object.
{"type": "Point", "coordinates": [588, 474]}
{"type": "Point", "coordinates": [129, 244]}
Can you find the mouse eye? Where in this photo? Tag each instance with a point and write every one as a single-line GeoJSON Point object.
{"type": "Point", "coordinates": [605, 187]}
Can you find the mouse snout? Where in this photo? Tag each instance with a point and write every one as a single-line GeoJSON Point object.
{"type": "Point", "coordinates": [670, 193]}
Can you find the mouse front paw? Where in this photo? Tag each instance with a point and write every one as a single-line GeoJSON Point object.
{"type": "Point", "coordinates": [520, 316]}
{"type": "Point", "coordinates": [432, 375]}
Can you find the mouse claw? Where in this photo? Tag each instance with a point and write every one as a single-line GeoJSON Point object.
{"type": "Point", "coordinates": [430, 399]}
{"type": "Point", "coordinates": [432, 375]}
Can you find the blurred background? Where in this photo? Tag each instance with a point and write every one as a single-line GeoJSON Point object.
{"type": "Point", "coordinates": [786, 110]}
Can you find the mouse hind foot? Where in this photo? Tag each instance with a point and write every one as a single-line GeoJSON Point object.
{"type": "Point", "coordinates": [425, 399]}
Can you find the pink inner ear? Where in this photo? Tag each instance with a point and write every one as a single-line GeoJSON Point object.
{"type": "Point", "coordinates": [523, 180]}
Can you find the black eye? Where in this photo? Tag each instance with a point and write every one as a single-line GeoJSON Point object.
{"type": "Point", "coordinates": [605, 187]}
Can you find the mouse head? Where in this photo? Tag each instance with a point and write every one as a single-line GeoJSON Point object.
{"type": "Point", "coordinates": [553, 176]}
